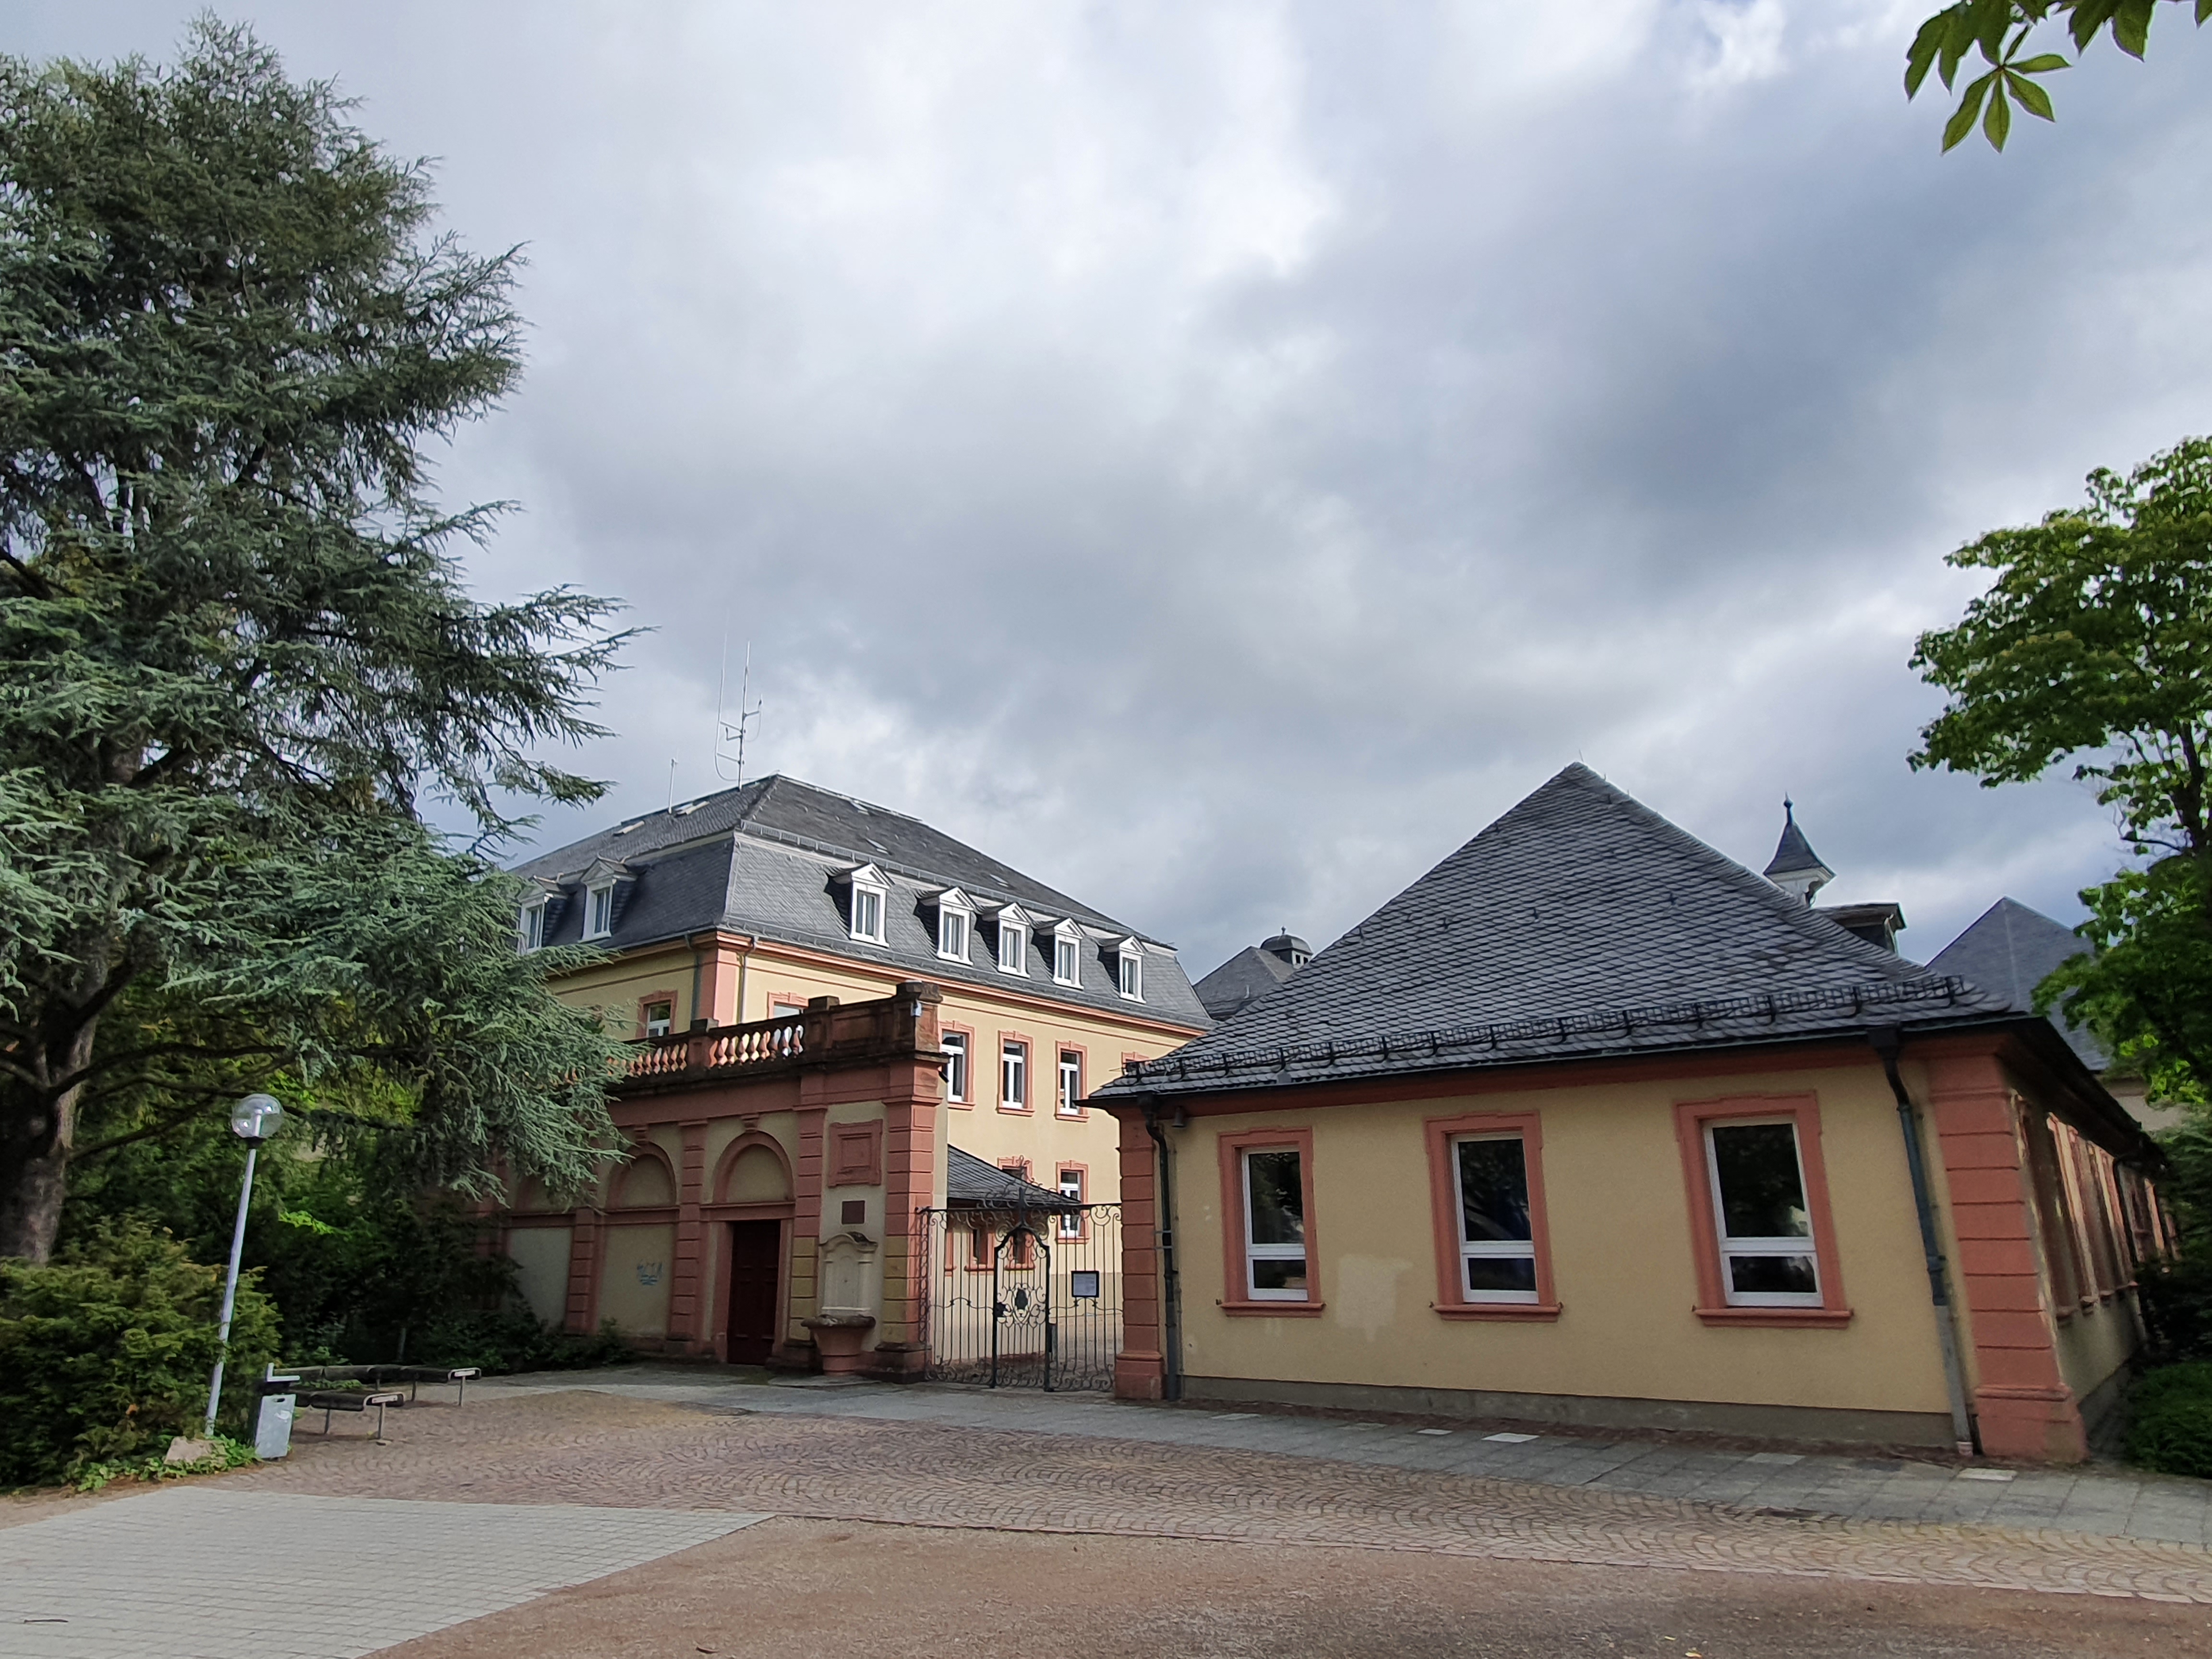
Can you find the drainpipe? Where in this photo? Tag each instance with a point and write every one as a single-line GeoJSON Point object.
{"type": "Point", "coordinates": [1888, 1041]}
{"type": "Point", "coordinates": [1170, 1287]}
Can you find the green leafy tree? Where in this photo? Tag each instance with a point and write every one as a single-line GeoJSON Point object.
{"type": "Point", "coordinates": [1998, 32]}
{"type": "Point", "coordinates": [237, 651]}
{"type": "Point", "coordinates": [2094, 643]}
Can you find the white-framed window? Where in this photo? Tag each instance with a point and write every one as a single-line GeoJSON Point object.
{"type": "Point", "coordinates": [600, 911]}
{"type": "Point", "coordinates": [1071, 1081]}
{"type": "Point", "coordinates": [1071, 1187]}
{"type": "Point", "coordinates": [868, 914]}
{"type": "Point", "coordinates": [1067, 959]}
{"type": "Point", "coordinates": [1013, 947]}
{"type": "Point", "coordinates": [1274, 1225]}
{"type": "Point", "coordinates": [955, 1044]}
{"type": "Point", "coordinates": [1497, 1243]}
{"type": "Point", "coordinates": [786, 1009]}
{"type": "Point", "coordinates": [952, 934]}
{"type": "Point", "coordinates": [1763, 1225]}
{"type": "Point", "coordinates": [530, 932]}
{"type": "Point", "coordinates": [659, 1018]}
{"type": "Point", "coordinates": [1131, 982]}
{"type": "Point", "coordinates": [1014, 1075]}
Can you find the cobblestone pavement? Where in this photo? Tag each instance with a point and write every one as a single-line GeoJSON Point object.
{"type": "Point", "coordinates": [859, 1591]}
{"type": "Point", "coordinates": [2100, 1500]}
{"type": "Point", "coordinates": [577, 1446]}
{"type": "Point", "coordinates": [213, 1571]}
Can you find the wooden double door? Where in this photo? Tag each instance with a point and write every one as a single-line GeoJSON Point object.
{"type": "Point", "coordinates": [755, 1288]}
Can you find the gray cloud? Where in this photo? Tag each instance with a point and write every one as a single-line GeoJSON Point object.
{"type": "Point", "coordinates": [1219, 460]}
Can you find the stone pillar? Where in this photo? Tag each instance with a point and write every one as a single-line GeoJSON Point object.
{"type": "Point", "coordinates": [910, 1111]}
{"type": "Point", "coordinates": [581, 1319]}
{"type": "Point", "coordinates": [806, 1179]}
{"type": "Point", "coordinates": [687, 1325]}
{"type": "Point", "coordinates": [2022, 1406]}
{"type": "Point", "coordinates": [1140, 1368]}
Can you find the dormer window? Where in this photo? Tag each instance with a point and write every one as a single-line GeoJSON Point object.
{"type": "Point", "coordinates": [955, 920]}
{"type": "Point", "coordinates": [1067, 954]}
{"type": "Point", "coordinates": [868, 914]}
{"type": "Point", "coordinates": [1013, 946]}
{"type": "Point", "coordinates": [600, 911]}
{"type": "Point", "coordinates": [530, 931]}
{"type": "Point", "coordinates": [1130, 979]}
{"type": "Point", "coordinates": [870, 890]}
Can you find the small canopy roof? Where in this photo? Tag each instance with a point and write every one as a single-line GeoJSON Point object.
{"type": "Point", "coordinates": [972, 1184]}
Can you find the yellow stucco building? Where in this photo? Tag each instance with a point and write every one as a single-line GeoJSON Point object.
{"type": "Point", "coordinates": [759, 906]}
{"type": "Point", "coordinates": [1592, 1125]}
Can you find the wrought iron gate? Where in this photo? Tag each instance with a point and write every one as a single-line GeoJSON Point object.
{"type": "Point", "coordinates": [1024, 1299]}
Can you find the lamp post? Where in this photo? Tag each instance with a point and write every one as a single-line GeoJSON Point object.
{"type": "Point", "coordinates": [253, 1120]}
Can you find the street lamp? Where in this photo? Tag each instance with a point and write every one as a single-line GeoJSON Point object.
{"type": "Point", "coordinates": [253, 1120]}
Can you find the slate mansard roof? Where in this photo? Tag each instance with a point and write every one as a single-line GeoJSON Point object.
{"type": "Point", "coordinates": [767, 859]}
{"type": "Point", "coordinates": [2010, 949]}
{"type": "Point", "coordinates": [1580, 924]}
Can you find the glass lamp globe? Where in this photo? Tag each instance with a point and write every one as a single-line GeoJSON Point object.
{"type": "Point", "coordinates": [257, 1117]}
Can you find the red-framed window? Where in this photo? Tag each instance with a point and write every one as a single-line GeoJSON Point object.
{"type": "Point", "coordinates": [656, 1014]}
{"type": "Point", "coordinates": [1014, 1080]}
{"type": "Point", "coordinates": [958, 1042]}
{"type": "Point", "coordinates": [1068, 1089]}
{"type": "Point", "coordinates": [1486, 1200]}
{"type": "Point", "coordinates": [1759, 1223]}
{"type": "Point", "coordinates": [1074, 1183]}
{"type": "Point", "coordinates": [1271, 1261]}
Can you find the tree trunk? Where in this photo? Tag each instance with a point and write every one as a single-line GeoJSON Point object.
{"type": "Point", "coordinates": [34, 1153]}
{"type": "Point", "coordinates": [38, 1132]}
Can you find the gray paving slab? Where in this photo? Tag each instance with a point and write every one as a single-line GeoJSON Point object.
{"type": "Point", "coordinates": [199, 1573]}
{"type": "Point", "coordinates": [2097, 1499]}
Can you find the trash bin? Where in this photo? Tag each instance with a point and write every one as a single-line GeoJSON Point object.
{"type": "Point", "coordinates": [272, 1429]}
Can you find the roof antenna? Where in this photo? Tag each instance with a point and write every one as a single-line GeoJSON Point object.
{"type": "Point", "coordinates": [727, 731]}
{"type": "Point", "coordinates": [672, 786]}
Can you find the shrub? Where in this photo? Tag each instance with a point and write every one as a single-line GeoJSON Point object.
{"type": "Point", "coordinates": [513, 1340]}
{"type": "Point", "coordinates": [2170, 1426]}
{"type": "Point", "coordinates": [105, 1352]}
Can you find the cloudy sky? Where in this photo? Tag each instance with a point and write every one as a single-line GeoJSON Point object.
{"type": "Point", "coordinates": [1218, 457]}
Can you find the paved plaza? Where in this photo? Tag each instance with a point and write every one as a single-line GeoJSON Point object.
{"type": "Point", "coordinates": [2101, 1500]}
{"type": "Point", "coordinates": [613, 1514]}
{"type": "Point", "coordinates": [214, 1571]}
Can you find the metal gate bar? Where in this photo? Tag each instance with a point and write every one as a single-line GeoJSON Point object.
{"type": "Point", "coordinates": [1022, 1299]}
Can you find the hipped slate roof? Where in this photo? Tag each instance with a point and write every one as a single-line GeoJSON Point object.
{"type": "Point", "coordinates": [1579, 924]}
{"type": "Point", "coordinates": [2009, 950]}
{"type": "Point", "coordinates": [1242, 980]}
{"type": "Point", "coordinates": [765, 859]}
{"type": "Point", "coordinates": [972, 1184]}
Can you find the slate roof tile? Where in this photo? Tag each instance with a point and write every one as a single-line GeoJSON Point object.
{"type": "Point", "coordinates": [1581, 922]}
{"type": "Point", "coordinates": [2009, 950]}
{"type": "Point", "coordinates": [1242, 980]}
{"type": "Point", "coordinates": [764, 860]}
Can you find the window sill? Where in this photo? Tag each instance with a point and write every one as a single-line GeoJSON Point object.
{"type": "Point", "coordinates": [1016, 1111]}
{"type": "Point", "coordinates": [1272, 1309]}
{"type": "Point", "coordinates": [1781, 1318]}
{"type": "Point", "coordinates": [1524, 1312]}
